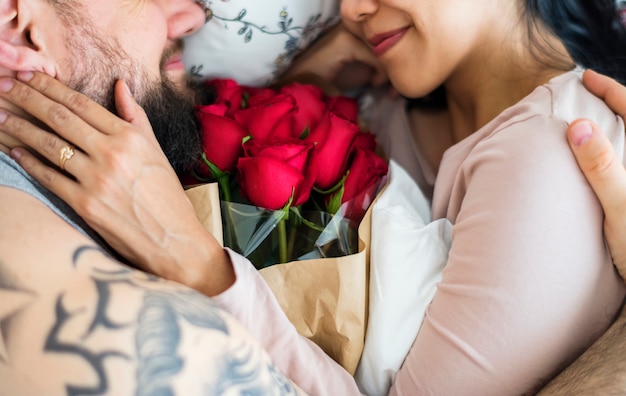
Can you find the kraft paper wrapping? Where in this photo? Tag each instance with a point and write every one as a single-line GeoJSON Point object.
{"type": "Point", "coordinates": [205, 199]}
{"type": "Point", "coordinates": [325, 299]}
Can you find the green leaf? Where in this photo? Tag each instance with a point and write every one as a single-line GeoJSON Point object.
{"type": "Point", "coordinates": [223, 178]}
{"type": "Point", "coordinates": [335, 201]}
{"type": "Point", "coordinates": [305, 134]}
{"type": "Point", "coordinates": [245, 98]}
{"type": "Point", "coordinates": [335, 187]}
{"type": "Point", "coordinates": [288, 204]}
{"type": "Point", "coordinates": [297, 218]}
{"type": "Point", "coordinates": [215, 171]}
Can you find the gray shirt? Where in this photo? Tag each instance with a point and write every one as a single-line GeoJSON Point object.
{"type": "Point", "coordinates": [12, 175]}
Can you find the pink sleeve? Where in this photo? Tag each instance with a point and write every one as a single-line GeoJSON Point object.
{"type": "Point", "coordinates": [251, 301]}
{"type": "Point", "coordinates": [529, 283]}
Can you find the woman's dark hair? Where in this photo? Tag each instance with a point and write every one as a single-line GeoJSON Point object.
{"type": "Point", "coordinates": [592, 31]}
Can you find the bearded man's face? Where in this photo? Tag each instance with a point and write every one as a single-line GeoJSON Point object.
{"type": "Point", "coordinates": [90, 44]}
{"type": "Point", "coordinates": [168, 105]}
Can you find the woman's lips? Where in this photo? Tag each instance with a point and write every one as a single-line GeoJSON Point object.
{"type": "Point", "coordinates": [381, 43]}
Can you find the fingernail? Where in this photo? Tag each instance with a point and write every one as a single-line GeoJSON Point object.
{"type": "Point", "coordinates": [6, 84]}
{"type": "Point", "coordinates": [25, 75]}
{"type": "Point", "coordinates": [16, 153]}
{"type": "Point", "coordinates": [128, 89]}
{"type": "Point", "coordinates": [581, 132]}
{"type": "Point", "coordinates": [3, 116]}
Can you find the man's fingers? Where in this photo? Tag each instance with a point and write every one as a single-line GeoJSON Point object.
{"type": "Point", "coordinates": [600, 164]}
{"type": "Point", "coordinates": [612, 92]}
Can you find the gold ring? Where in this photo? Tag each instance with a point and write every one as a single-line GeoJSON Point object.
{"type": "Point", "coordinates": [66, 153]}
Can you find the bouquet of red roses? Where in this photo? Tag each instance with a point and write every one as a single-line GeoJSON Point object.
{"type": "Point", "coordinates": [295, 169]}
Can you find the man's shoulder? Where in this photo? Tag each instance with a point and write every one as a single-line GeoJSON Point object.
{"type": "Point", "coordinates": [13, 177]}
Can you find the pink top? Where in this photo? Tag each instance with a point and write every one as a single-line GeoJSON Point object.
{"type": "Point", "coordinates": [529, 282]}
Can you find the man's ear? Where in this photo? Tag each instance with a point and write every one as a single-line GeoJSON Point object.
{"type": "Point", "coordinates": [17, 50]}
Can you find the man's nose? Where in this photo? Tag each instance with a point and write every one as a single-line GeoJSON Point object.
{"type": "Point", "coordinates": [185, 17]}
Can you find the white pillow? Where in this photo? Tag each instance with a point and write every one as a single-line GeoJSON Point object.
{"type": "Point", "coordinates": [408, 255]}
{"type": "Point", "coordinates": [253, 41]}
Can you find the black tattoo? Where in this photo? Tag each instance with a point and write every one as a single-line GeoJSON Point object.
{"type": "Point", "coordinates": [96, 360]}
{"type": "Point", "coordinates": [165, 312]}
{"type": "Point", "coordinates": [63, 317]}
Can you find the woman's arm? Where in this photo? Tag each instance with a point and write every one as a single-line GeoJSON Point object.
{"type": "Point", "coordinates": [527, 265]}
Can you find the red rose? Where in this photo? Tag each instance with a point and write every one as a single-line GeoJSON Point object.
{"type": "Point", "coordinates": [365, 140]}
{"type": "Point", "coordinates": [333, 138]}
{"type": "Point", "coordinates": [273, 172]}
{"type": "Point", "coordinates": [309, 100]}
{"type": "Point", "coordinates": [227, 92]}
{"type": "Point", "coordinates": [293, 151]}
{"type": "Point", "coordinates": [361, 183]}
{"type": "Point", "coordinates": [221, 138]}
{"type": "Point", "coordinates": [268, 117]}
{"type": "Point", "coordinates": [344, 107]}
{"type": "Point", "coordinates": [257, 93]}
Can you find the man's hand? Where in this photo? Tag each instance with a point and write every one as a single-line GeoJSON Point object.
{"type": "Point", "coordinates": [340, 58]}
{"type": "Point", "coordinates": [602, 167]}
{"type": "Point", "coordinates": [117, 178]}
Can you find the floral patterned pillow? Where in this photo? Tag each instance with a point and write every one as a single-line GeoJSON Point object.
{"type": "Point", "coordinates": [253, 41]}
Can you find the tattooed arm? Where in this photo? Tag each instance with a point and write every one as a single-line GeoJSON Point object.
{"type": "Point", "coordinates": [74, 321]}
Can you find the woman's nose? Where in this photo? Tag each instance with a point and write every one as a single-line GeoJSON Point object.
{"type": "Point", "coordinates": [357, 10]}
{"type": "Point", "coordinates": [185, 17]}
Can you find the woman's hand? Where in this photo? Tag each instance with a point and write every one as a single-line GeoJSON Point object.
{"type": "Point", "coordinates": [118, 179]}
{"type": "Point", "coordinates": [601, 166]}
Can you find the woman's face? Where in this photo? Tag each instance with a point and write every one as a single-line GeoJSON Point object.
{"type": "Point", "coordinates": [424, 43]}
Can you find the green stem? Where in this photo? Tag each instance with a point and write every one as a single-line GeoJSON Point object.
{"type": "Point", "coordinates": [282, 241]}
{"type": "Point", "coordinates": [292, 239]}
{"type": "Point", "coordinates": [224, 183]}
{"type": "Point", "coordinates": [223, 179]}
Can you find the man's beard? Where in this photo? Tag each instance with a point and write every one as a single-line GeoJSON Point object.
{"type": "Point", "coordinates": [175, 125]}
{"type": "Point", "coordinates": [169, 109]}
{"type": "Point", "coordinates": [172, 116]}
